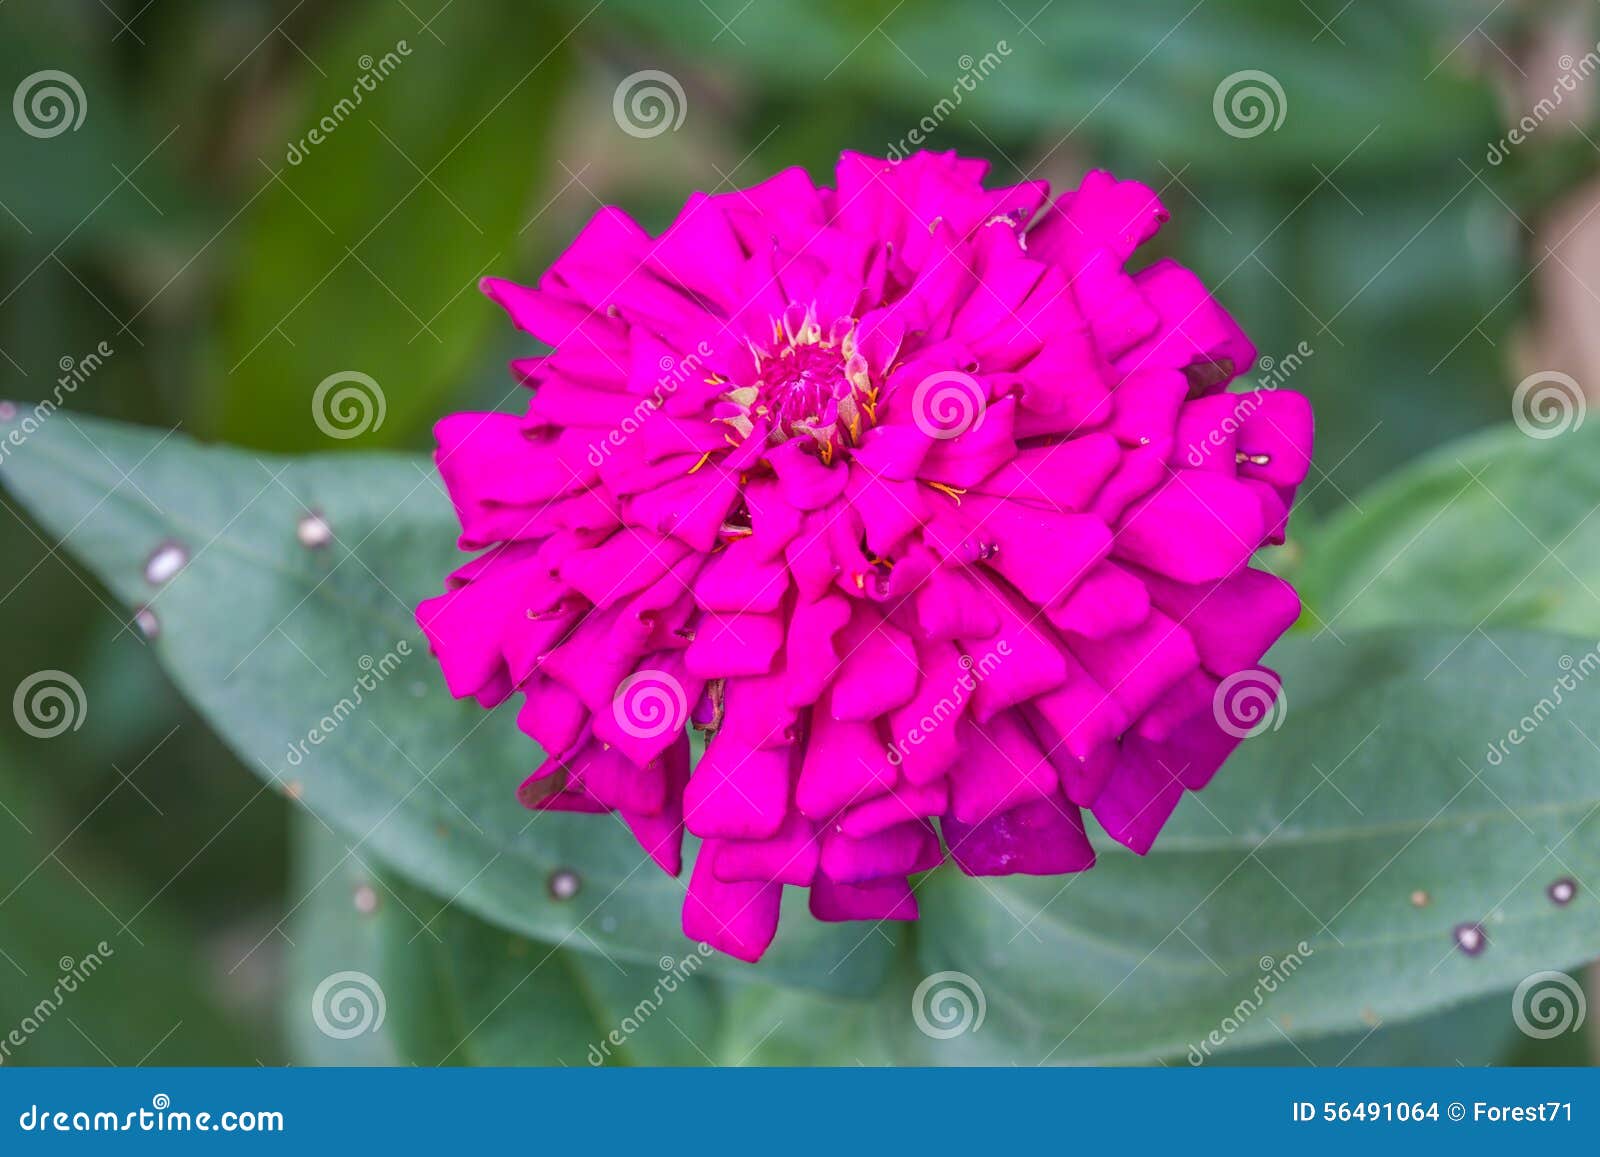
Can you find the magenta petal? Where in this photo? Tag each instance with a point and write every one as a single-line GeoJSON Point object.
{"type": "Point", "coordinates": [552, 714]}
{"type": "Point", "coordinates": [737, 792]}
{"type": "Point", "coordinates": [1199, 526]}
{"type": "Point", "coordinates": [907, 847]}
{"type": "Point", "coordinates": [845, 763]}
{"type": "Point", "coordinates": [735, 644]}
{"type": "Point", "coordinates": [906, 802]}
{"type": "Point", "coordinates": [875, 900]}
{"type": "Point", "coordinates": [1041, 838]}
{"type": "Point", "coordinates": [813, 656]}
{"type": "Point", "coordinates": [660, 833]}
{"type": "Point", "coordinates": [1139, 796]}
{"type": "Point", "coordinates": [1275, 438]}
{"type": "Point", "coordinates": [737, 918]}
{"type": "Point", "coordinates": [788, 856]}
{"type": "Point", "coordinates": [1002, 766]}
{"type": "Point", "coordinates": [879, 671]}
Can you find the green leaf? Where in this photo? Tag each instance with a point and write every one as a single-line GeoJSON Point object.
{"type": "Point", "coordinates": [1494, 531]}
{"type": "Point", "coordinates": [75, 171]}
{"type": "Point", "coordinates": [1479, 1032]}
{"type": "Point", "coordinates": [1378, 786]}
{"type": "Point", "coordinates": [763, 1025]}
{"type": "Point", "coordinates": [408, 177]}
{"type": "Point", "coordinates": [466, 992]}
{"type": "Point", "coordinates": [1067, 73]}
{"type": "Point", "coordinates": [275, 642]}
{"type": "Point", "coordinates": [457, 991]}
{"type": "Point", "coordinates": [335, 903]}
{"type": "Point", "coordinates": [75, 943]}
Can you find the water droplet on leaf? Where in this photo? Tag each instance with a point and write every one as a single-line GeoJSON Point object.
{"type": "Point", "coordinates": [1470, 938]}
{"type": "Point", "coordinates": [165, 562]}
{"type": "Point", "coordinates": [563, 884]}
{"type": "Point", "coordinates": [145, 619]}
{"type": "Point", "coordinates": [313, 530]}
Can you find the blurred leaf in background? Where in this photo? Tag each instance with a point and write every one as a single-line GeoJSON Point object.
{"type": "Point", "coordinates": [447, 124]}
{"type": "Point", "coordinates": [231, 265]}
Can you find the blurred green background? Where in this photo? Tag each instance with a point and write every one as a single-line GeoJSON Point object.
{"type": "Point", "coordinates": [229, 267]}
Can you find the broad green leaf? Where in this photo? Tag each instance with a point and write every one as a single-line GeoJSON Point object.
{"type": "Point", "coordinates": [465, 992]}
{"type": "Point", "coordinates": [1479, 1032]}
{"type": "Point", "coordinates": [407, 176]}
{"type": "Point", "coordinates": [275, 642]}
{"type": "Point", "coordinates": [1379, 786]}
{"type": "Point", "coordinates": [457, 991]}
{"type": "Point", "coordinates": [1497, 530]}
{"type": "Point", "coordinates": [763, 1025]}
{"type": "Point", "coordinates": [336, 906]}
{"type": "Point", "coordinates": [75, 942]}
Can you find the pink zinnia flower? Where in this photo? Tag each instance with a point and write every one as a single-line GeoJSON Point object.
{"type": "Point", "coordinates": [910, 494]}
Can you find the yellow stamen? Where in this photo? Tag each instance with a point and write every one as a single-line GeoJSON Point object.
{"type": "Point", "coordinates": [704, 458]}
{"type": "Point", "coordinates": [952, 491]}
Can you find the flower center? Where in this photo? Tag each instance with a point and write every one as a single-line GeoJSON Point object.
{"type": "Point", "coordinates": [808, 384]}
